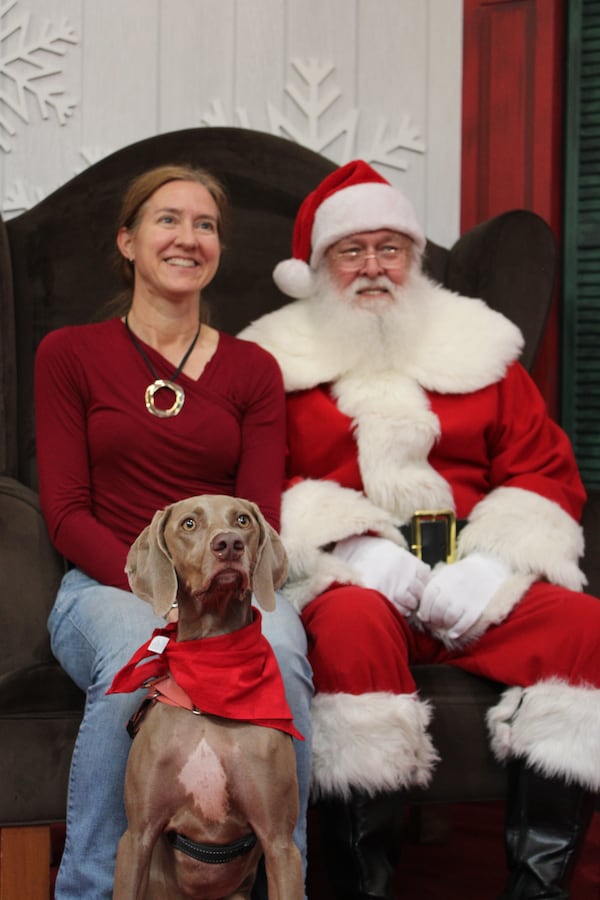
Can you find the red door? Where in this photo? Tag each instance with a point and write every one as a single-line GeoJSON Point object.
{"type": "Point", "coordinates": [513, 128]}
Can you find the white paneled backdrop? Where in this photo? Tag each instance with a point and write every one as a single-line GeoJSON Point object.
{"type": "Point", "coordinates": [379, 79]}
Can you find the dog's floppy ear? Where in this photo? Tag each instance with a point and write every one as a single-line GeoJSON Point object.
{"type": "Point", "coordinates": [271, 564]}
{"type": "Point", "coordinates": [150, 568]}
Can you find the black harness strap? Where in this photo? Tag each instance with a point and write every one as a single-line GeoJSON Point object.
{"type": "Point", "coordinates": [212, 853]}
{"type": "Point", "coordinates": [133, 726]}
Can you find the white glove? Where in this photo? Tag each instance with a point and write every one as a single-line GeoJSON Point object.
{"type": "Point", "coordinates": [387, 568]}
{"type": "Point", "coordinates": [457, 593]}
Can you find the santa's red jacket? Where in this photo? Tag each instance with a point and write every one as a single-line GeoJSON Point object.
{"type": "Point", "coordinates": [456, 423]}
{"type": "Point", "coordinates": [382, 423]}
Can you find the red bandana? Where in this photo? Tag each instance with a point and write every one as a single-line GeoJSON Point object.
{"type": "Point", "coordinates": [234, 675]}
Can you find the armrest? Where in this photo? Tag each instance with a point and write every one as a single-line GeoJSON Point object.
{"type": "Point", "coordinates": [509, 261]}
{"type": "Point", "coordinates": [591, 529]}
{"type": "Point", "coordinates": [30, 572]}
{"type": "Point", "coordinates": [8, 361]}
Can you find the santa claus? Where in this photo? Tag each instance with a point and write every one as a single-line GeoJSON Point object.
{"type": "Point", "coordinates": [431, 514]}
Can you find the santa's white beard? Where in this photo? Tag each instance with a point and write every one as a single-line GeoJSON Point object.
{"type": "Point", "coordinates": [375, 334]}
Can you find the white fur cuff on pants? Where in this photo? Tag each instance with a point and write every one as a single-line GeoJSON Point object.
{"type": "Point", "coordinates": [373, 742]}
{"type": "Point", "coordinates": [554, 726]}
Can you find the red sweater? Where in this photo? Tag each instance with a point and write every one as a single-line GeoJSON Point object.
{"type": "Point", "coordinates": [106, 465]}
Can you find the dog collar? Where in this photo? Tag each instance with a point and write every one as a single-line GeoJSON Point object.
{"type": "Point", "coordinates": [234, 676]}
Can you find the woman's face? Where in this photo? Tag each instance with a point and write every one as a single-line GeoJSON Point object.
{"type": "Point", "coordinates": [175, 245]}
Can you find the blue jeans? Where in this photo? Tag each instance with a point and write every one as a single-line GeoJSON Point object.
{"type": "Point", "coordinates": [94, 631]}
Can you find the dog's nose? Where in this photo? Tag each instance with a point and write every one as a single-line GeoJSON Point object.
{"type": "Point", "coordinates": [227, 546]}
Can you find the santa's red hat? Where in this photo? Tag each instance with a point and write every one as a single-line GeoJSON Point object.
{"type": "Point", "coordinates": [353, 198]}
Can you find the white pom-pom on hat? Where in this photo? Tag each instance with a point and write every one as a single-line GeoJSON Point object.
{"type": "Point", "coordinates": [294, 277]}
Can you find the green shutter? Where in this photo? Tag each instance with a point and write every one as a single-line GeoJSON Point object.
{"type": "Point", "coordinates": [581, 324]}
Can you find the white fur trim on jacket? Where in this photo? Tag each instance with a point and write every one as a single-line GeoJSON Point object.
{"type": "Point", "coordinates": [554, 726]}
{"type": "Point", "coordinates": [373, 742]}
{"type": "Point", "coordinates": [290, 335]}
{"type": "Point", "coordinates": [395, 430]}
{"type": "Point", "coordinates": [534, 535]}
{"type": "Point", "coordinates": [464, 345]}
{"type": "Point", "coordinates": [315, 514]}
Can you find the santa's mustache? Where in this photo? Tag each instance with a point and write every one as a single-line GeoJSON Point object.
{"type": "Point", "coordinates": [394, 299]}
{"type": "Point", "coordinates": [387, 300]}
{"type": "Point", "coordinates": [381, 283]}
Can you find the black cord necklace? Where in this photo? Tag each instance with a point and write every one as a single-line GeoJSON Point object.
{"type": "Point", "coordinates": [160, 383]}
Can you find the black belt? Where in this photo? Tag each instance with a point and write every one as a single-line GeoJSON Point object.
{"type": "Point", "coordinates": [431, 535]}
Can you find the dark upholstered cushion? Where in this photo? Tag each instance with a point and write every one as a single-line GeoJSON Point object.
{"type": "Point", "coordinates": [459, 704]}
{"type": "Point", "coordinates": [591, 527]}
{"type": "Point", "coordinates": [509, 261]}
{"type": "Point", "coordinates": [35, 752]}
{"type": "Point", "coordinates": [8, 363]}
{"type": "Point", "coordinates": [40, 707]}
{"type": "Point", "coordinates": [30, 572]}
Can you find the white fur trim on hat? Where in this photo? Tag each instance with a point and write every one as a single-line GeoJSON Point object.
{"type": "Point", "coordinates": [363, 207]}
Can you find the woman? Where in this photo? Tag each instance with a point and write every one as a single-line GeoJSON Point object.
{"type": "Point", "coordinates": [134, 413]}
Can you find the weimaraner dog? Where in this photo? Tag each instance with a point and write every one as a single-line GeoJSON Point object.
{"type": "Point", "coordinates": [199, 783]}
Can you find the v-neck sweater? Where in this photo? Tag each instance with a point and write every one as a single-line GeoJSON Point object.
{"type": "Point", "coordinates": [106, 464]}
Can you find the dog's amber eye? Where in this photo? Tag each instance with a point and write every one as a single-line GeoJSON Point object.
{"type": "Point", "coordinates": [243, 520]}
{"type": "Point", "coordinates": [188, 524]}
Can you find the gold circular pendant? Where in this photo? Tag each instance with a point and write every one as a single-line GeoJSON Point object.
{"type": "Point", "coordinates": [158, 385]}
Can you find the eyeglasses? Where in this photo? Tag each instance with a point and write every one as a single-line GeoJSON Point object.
{"type": "Point", "coordinates": [350, 259]}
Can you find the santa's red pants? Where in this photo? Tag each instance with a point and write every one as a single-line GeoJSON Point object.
{"type": "Point", "coordinates": [359, 642]}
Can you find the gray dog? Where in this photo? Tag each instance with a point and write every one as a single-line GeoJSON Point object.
{"type": "Point", "coordinates": [206, 795]}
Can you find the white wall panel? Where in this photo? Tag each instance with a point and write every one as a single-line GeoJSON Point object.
{"type": "Point", "coordinates": [444, 106]}
{"type": "Point", "coordinates": [119, 48]}
{"type": "Point", "coordinates": [197, 59]}
{"type": "Point", "coordinates": [392, 92]}
{"type": "Point", "coordinates": [379, 79]}
{"type": "Point", "coordinates": [260, 61]}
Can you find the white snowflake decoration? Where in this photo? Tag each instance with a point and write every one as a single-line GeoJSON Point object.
{"type": "Point", "coordinates": [23, 67]}
{"type": "Point", "coordinates": [406, 137]}
{"type": "Point", "coordinates": [26, 72]}
{"type": "Point", "coordinates": [217, 117]}
{"type": "Point", "coordinates": [314, 103]}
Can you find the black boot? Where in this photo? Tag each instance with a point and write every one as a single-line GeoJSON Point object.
{"type": "Point", "coordinates": [545, 825]}
{"type": "Point", "coordinates": [361, 838]}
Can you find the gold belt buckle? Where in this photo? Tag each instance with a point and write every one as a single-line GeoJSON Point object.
{"type": "Point", "coordinates": [434, 515]}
